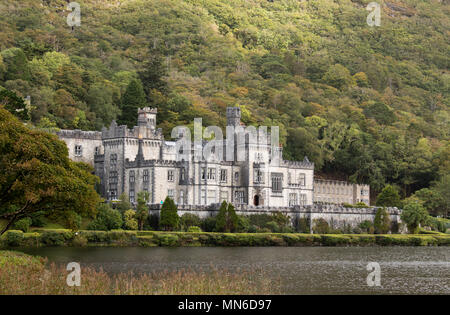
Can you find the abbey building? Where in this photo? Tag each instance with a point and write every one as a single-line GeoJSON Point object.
{"type": "Point", "coordinates": [140, 159]}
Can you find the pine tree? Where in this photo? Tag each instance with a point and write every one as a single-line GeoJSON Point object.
{"type": "Point", "coordinates": [388, 197]}
{"type": "Point", "coordinates": [133, 99]}
{"type": "Point", "coordinates": [382, 221]}
{"type": "Point", "coordinates": [169, 216]}
{"type": "Point", "coordinates": [142, 209]}
{"type": "Point", "coordinates": [233, 219]}
{"type": "Point", "coordinates": [221, 217]}
{"type": "Point", "coordinates": [227, 219]}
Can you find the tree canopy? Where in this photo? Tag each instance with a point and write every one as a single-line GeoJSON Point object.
{"type": "Point", "coordinates": [36, 175]}
{"type": "Point", "coordinates": [365, 104]}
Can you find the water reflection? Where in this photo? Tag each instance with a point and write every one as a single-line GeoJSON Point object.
{"type": "Point", "coordinates": [302, 270]}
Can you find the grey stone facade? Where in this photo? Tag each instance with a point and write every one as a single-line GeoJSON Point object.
{"type": "Point", "coordinates": [140, 159]}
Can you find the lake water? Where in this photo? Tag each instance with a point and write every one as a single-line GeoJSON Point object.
{"type": "Point", "coordinates": [302, 270]}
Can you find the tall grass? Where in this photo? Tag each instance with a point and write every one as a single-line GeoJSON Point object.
{"type": "Point", "coordinates": [24, 274]}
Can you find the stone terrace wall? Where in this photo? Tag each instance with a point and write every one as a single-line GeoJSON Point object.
{"type": "Point", "coordinates": [335, 215]}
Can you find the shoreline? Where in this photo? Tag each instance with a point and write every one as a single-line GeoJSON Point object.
{"type": "Point", "coordinates": [121, 238]}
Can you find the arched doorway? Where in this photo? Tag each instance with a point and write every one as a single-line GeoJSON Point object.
{"type": "Point", "coordinates": [256, 200]}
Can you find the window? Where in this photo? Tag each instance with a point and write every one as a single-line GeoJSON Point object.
{"type": "Point", "coordinates": [78, 150]}
{"type": "Point", "coordinates": [113, 161]}
{"type": "Point", "coordinates": [277, 179]}
{"type": "Point", "coordinates": [239, 197]}
{"type": "Point", "coordinates": [145, 176]}
{"type": "Point", "coordinates": [302, 179]}
{"type": "Point", "coordinates": [132, 194]}
{"type": "Point", "coordinates": [293, 199]}
{"type": "Point", "coordinates": [203, 197]}
{"type": "Point", "coordinates": [170, 175]}
{"type": "Point", "coordinates": [132, 177]}
{"type": "Point", "coordinates": [224, 196]}
{"type": "Point", "coordinates": [113, 178]}
{"type": "Point", "coordinates": [211, 173]}
{"type": "Point", "coordinates": [303, 199]}
{"type": "Point", "coordinates": [97, 150]}
{"type": "Point", "coordinates": [203, 173]}
{"type": "Point", "coordinates": [223, 175]}
{"type": "Point", "coordinates": [258, 176]}
{"type": "Point", "coordinates": [211, 196]}
{"type": "Point", "coordinates": [236, 176]}
{"type": "Point", "coordinates": [170, 193]}
{"type": "Point", "coordinates": [181, 197]}
{"type": "Point", "coordinates": [182, 173]}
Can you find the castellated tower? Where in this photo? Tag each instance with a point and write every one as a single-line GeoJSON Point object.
{"type": "Point", "coordinates": [147, 117]}
{"type": "Point", "coordinates": [233, 116]}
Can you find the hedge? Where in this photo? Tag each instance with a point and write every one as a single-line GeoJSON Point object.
{"type": "Point", "coordinates": [16, 238]}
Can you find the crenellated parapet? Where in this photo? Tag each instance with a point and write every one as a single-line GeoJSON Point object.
{"type": "Point", "coordinates": [298, 164]}
{"type": "Point", "coordinates": [79, 134]}
{"type": "Point", "coordinates": [138, 132]}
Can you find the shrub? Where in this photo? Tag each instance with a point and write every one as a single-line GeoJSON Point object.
{"type": "Point", "coordinates": [79, 241]}
{"type": "Point", "coordinates": [187, 220]}
{"type": "Point", "coordinates": [168, 240]}
{"type": "Point", "coordinates": [55, 238]}
{"type": "Point", "coordinates": [226, 220]}
{"type": "Point", "coordinates": [130, 223]}
{"type": "Point", "coordinates": [107, 219]}
{"type": "Point", "coordinates": [302, 225]}
{"type": "Point", "coordinates": [321, 226]}
{"type": "Point", "coordinates": [335, 240]}
{"type": "Point", "coordinates": [124, 204]}
{"type": "Point", "coordinates": [14, 238]}
{"type": "Point", "coordinates": [141, 214]}
{"type": "Point", "coordinates": [37, 221]}
{"type": "Point", "coordinates": [23, 224]}
{"type": "Point", "coordinates": [195, 229]}
{"type": "Point", "coordinates": [388, 197]}
{"type": "Point", "coordinates": [382, 221]}
{"type": "Point", "coordinates": [152, 222]}
{"type": "Point", "coordinates": [169, 217]}
{"type": "Point", "coordinates": [243, 224]}
{"type": "Point", "coordinates": [366, 226]}
{"type": "Point", "coordinates": [273, 226]}
{"type": "Point", "coordinates": [208, 224]}
{"type": "Point", "coordinates": [413, 215]}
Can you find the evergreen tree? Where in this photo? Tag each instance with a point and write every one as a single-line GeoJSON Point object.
{"type": "Point", "coordinates": [227, 219]}
{"type": "Point", "coordinates": [14, 104]}
{"type": "Point", "coordinates": [154, 70]}
{"type": "Point", "coordinates": [221, 217]}
{"type": "Point", "coordinates": [388, 197]}
{"type": "Point", "coordinates": [382, 221]}
{"type": "Point", "coordinates": [414, 214]}
{"type": "Point", "coordinates": [124, 203]}
{"type": "Point", "coordinates": [142, 208]}
{"type": "Point", "coordinates": [132, 100]}
{"type": "Point", "coordinates": [169, 216]}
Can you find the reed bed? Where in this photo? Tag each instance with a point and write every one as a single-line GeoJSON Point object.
{"type": "Point", "coordinates": [24, 274]}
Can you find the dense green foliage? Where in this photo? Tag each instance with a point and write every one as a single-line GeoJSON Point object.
{"type": "Point", "coordinates": [142, 209]}
{"type": "Point", "coordinates": [382, 221]}
{"type": "Point", "coordinates": [151, 238]}
{"type": "Point", "coordinates": [226, 219]}
{"type": "Point", "coordinates": [106, 219]}
{"type": "Point", "coordinates": [388, 197]}
{"type": "Point", "coordinates": [414, 215]}
{"type": "Point", "coordinates": [169, 218]}
{"type": "Point", "coordinates": [368, 104]}
{"type": "Point", "coordinates": [37, 176]}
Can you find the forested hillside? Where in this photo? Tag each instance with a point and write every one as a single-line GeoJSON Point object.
{"type": "Point", "coordinates": [367, 104]}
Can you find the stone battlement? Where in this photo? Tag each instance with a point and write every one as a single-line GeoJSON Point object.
{"type": "Point", "coordinates": [79, 134]}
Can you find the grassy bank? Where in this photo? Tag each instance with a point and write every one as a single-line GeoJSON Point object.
{"type": "Point", "coordinates": [153, 238]}
{"type": "Point", "coordinates": [24, 274]}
